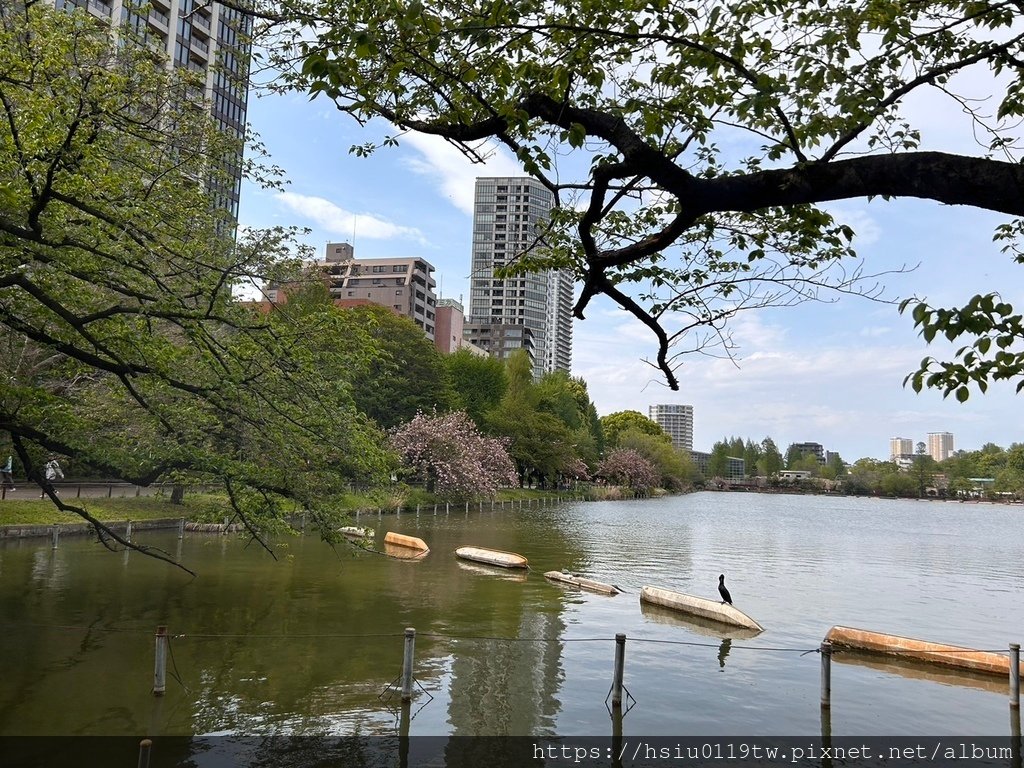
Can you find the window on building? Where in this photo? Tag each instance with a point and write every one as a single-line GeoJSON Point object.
{"type": "Point", "coordinates": [398, 292]}
{"type": "Point", "coordinates": [398, 268]}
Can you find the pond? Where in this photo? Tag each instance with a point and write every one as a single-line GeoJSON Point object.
{"type": "Point", "coordinates": [312, 642]}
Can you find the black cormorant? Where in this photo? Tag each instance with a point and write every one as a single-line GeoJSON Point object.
{"type": "Point", "coordinates": [726, 597]}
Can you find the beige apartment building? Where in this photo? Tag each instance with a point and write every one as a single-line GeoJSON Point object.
{"type": "Point", "coordinates": [940, 445]}
{"type": "Point", "coordinates": [403, 285]}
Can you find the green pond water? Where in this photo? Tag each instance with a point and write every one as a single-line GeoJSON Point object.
{"type": "Point", "coordinates": [312, 643]}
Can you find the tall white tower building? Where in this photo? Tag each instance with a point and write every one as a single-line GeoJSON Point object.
{"type": "Point", "coordinates": [677, 421]}
{"type": "Point", "coordinates": [531, 311]}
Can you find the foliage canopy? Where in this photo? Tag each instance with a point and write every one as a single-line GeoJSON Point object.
{"type": "Point", "coordinates": [691, 145]}
{"type": "Point", "coordinates": [123, 345]}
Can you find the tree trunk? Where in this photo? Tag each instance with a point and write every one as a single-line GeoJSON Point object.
{"type": "Point", "coordinates": [178, 494]}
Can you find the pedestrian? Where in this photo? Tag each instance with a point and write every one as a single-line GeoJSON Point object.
{"type": "Point", "coordinates": [53, 472]}
{"type": "Point", "coordinates": [7, 475]}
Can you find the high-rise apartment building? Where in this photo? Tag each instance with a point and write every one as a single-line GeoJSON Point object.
{"type": "Point", "coordinates": [940, 445]}
{"type": "Point", "coordinates": [677, 421]}
{"type": "Point", "coordinates": [900, 446]}
{"type": "Point", "coordinates": [205, 37]}
{"type": "Point", "coordinates": [508, 217]}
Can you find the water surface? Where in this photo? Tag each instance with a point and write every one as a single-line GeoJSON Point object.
{"type": "Point", "coordinates": [311, 643]}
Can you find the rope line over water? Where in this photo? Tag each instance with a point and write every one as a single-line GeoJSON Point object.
{"type": "Point", "coordinates": [443, 636]}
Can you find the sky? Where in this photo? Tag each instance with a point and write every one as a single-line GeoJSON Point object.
{"type": "Point", "coordinates": [830, 373]}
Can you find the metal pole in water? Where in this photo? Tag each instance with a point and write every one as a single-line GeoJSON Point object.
{"type": "Point", "coordinates": [145, 747]}
{"type": "Point", "coordinates": [1015, 675]}
{"type": "Point", "coordinates": [160, 666]}
{"type": "Point", "coordinates": [620, 667]}
{"type": "Point", "coordinates": [56, 535]}
{"type": "Point", "coordinates": [826, 674]}
{"type": "Point", "coordinates": [410, 645]}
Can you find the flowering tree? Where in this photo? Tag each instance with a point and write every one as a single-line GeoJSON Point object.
{"type": "Point", "coordinates": [624, 466]}
{"type": "Point", "coordinates": [575, 469]}
{"type": "Point", "coordinates": [451, 455]}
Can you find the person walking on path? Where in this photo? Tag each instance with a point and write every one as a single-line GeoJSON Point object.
{"type": "Point", "coordinates": [7, 475]}
{"type": "Point", "coordinates": [53, 472]}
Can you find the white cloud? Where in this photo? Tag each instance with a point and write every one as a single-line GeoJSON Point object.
{"type": "Point", "coordinates": [454, 173]}
{"type": "Point", "coordinates": [337, 220]}
{"type": "Point", "coordinates": [866, 228]}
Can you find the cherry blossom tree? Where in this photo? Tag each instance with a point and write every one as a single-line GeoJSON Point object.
{"type": "Point", "coordinates": [451, 455]}
{"type": "Point", "coordinates": [627, 467]}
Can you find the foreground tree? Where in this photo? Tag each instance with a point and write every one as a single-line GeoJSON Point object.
{"type": "Point", "coordinates": [450, 455]}
{"type": "Point", "coordinates": [649, 93]}
{"type": "Point", "coordinates": [124, 345]}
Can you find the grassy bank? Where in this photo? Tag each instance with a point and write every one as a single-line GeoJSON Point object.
{"type": "Point", "coordinates": [211, 508]}
{"type": "Point", "coordinates": [42, 511]}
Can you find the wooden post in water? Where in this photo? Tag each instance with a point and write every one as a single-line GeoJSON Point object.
{"type": "Point", "coordinates": [467, 507]}
{"type": "Point", "coordinates": [417, 510]}
{"type": "Point", "coordinates": [620, 668]}
{"type": "Point", "coordinates": [160, 665]}
{"type": "Point", "coordinates": [56, 534]}
{"type": "Point", "coordinates": [181, 528]}
{"type": "Point", "coordinates": [1015, 675]}
{"type": "Point", "coordinates": [410, 646]}
{"type": "Point", "coordinates": [826, 674]}
{"type": "Point", "coordinates": [128, 532]}
{"type": "Point", "coordinates": [145, 747]}
{"type": "Point", "coordinates": [446, 505]}
{"type": "Point", "coordinates": [481, 507]}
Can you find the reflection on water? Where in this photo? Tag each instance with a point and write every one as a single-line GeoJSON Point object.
{"type": "Point", "coordinates": [311, 643]}
{"type": "Point", "coordinates": [723, 651]}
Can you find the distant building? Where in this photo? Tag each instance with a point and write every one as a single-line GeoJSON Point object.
{"type": "Point", "coordinates": [794, 474]}
{"type": "Point", "coordinates": [735, 467]}
{"type": "Point", "coordinates": [901, 452]}
{"type": "Point", "coordinates": [900, 446]}
{"type": "Point", "coordinates": [403, 285]}
{"type": "Point", "coordinates": [500, 339]}
{"type": "Point", "coordinates": [940, 445]}
{"type": "Point", "coordinates": [815, 449]}
{"type": "Point", "coordinates": [677, 421]}
{"type": "Point", "coordinates": [450, 327]}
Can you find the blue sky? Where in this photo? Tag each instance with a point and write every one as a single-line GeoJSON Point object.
{"type": "Point", "coordinates": [829, 373]}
